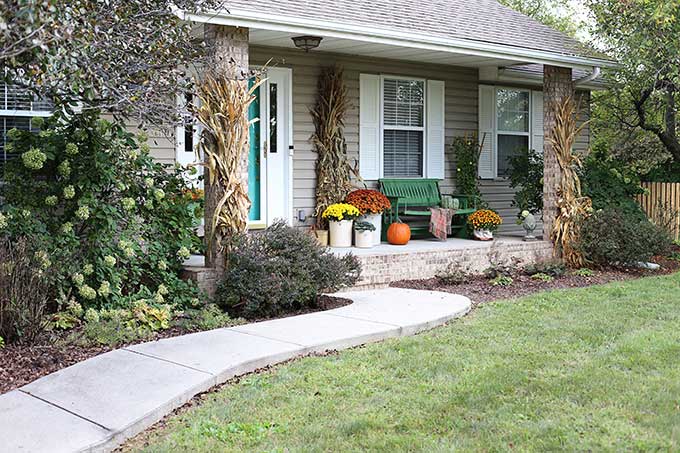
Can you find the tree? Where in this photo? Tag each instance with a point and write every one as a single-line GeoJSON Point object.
{"type": "Point", "coordinates": [558, 14]}
{"type": "Point", "coordinates": [121, 56]}
{"type": "Point", "coordinates": [640, 111]}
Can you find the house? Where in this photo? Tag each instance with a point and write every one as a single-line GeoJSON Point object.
{"type": "Point", "coordinates": [468, 66]}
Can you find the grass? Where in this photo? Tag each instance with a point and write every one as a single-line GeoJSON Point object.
{"type": "Point", "coordinates": [585, 369]}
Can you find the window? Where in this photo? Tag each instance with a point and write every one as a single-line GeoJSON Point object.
{"type": "Point", "coordinates": [17, 108]}
{"type": "Point", "coordinates": [512, 124]}
{"type": "Point", "coordinates": [403, 127]}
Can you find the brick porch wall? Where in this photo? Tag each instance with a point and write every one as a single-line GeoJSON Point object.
{"type": "Point", "coordinates": [380, 270]}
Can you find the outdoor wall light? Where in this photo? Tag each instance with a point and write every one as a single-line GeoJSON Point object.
{"type": "Point", "coordinates": [307, 43]}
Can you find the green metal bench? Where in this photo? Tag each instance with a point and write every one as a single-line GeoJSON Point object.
{"type": "Point", "coordinates": [413, 198]}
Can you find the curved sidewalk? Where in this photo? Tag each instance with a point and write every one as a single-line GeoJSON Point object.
{"type": "Point", "coordinates": [97, 404]}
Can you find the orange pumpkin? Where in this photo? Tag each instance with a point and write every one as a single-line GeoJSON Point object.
{"type": "Point", "coordinates": [398, 234]}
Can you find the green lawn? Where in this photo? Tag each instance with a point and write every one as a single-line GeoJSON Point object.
{"type": "Point", "coordinates": [587, 369]}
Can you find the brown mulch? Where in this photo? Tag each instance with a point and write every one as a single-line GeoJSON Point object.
{"type": "Point", "coordinates": [22, 364]}
{"type": "Point", "coordinates": [479, 290]}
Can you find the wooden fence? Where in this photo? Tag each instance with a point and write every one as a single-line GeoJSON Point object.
{"type": "Point", "coordinates": [661, 202]}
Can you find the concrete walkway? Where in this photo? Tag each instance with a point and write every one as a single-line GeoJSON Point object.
{"type": "Point", "coordinates": [97, 404]}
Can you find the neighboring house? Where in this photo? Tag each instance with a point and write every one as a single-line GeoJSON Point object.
{"type": "Point", "coordinates": [418, 75]}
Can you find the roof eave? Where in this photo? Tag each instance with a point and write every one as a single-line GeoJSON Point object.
{"type": "Point", "coordinates": [255, 20]}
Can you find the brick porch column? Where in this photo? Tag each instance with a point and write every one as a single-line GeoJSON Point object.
{"type": "Point", "coordinates": [557, 85]}
{"type": "Point", "coordinates": [227, 55]}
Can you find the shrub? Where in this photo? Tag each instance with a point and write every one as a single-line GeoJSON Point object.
{"type": "Point", "coordinates": [24, 292]}
{"type": "Point", "coordinates": [467, 150]}
{"type": "Point", "coordinates": [454, 275]}
{"type": "Point", "coordinates": [615, 237]}
{"type": "Point", "coordinates": [584, 272]}
{"type": "Point", "coordinates": [553, 268]}
{"type": "Point", "coordinates": [92, 199]}
{"type": "Point", "coordinates": [502, 280]}
{"type": "Point", "coordinates": [526, 176]}
{"type": "Point", "coordinates": [543, 277]}
{"type": "Point", "coordinates": [280, 270]}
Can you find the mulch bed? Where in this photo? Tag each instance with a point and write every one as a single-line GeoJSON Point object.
{"type": "Point", "coordinates": [479, 290]}
{"type": "Point", "coordinates": [21, 364]}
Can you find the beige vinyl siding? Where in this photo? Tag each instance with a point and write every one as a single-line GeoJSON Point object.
{"type": "Point", "coordinates": [460, 106]}
{"type": "Point", "coordinates": [461, 87]}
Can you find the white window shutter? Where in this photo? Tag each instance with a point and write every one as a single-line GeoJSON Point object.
{"type": "Point", "coordinates": [369, 126]}
{"type": "Point", "coordinates": [435, 129]}
{"type": "Point", "coordinates": [487, 120]}
{"type": "Point", "coordinates": [537, 121]}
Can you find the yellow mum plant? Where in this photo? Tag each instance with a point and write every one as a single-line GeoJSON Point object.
{"type": "Point", "coordinates": [340, 211]}
{"type": "Point", "coordinates": [484, 219]}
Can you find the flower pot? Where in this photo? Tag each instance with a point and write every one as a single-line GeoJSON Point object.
{"type": "Point", "coordinates": [321, 237]}
{"type": "Point", "coordinates": [376, 220]}
{"type": "Point", "coordinates": [483, 235]}
{"type": "Point", "coordinates": [341, 233]}
{"type": "Point", "coordinates": [364, 239]}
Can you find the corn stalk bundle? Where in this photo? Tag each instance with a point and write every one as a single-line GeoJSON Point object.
{"type": "Point", "coordinates": [224, 115]}
{"type": "Point", "coordinates": [333, 170]}
{"type": "Point", "coordinates": [573, 206]}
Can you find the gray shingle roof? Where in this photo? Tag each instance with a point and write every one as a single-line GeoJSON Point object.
{"type": "Point", "coordinates": [477, 20]}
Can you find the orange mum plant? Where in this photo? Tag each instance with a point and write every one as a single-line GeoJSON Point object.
{"type": "Point", "coordinates": [484, 219]}
{"type": "Point", "coordinates": [368, 201]}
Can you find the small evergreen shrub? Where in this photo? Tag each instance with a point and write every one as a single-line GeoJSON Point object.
{"type": "Point", "coordinates": [280, 270]}
{"type": "Point", "coordinates": [618, 237]}
{"type": "Point", "coordinates": [541, 277]}
{"type": "Point", "coordinates": [454, 275]}
{"type": "Point", "coordinates": [553, 268]}
{"type": "Point", "coordinates": [502, 280]}
{"type": "Point", "coordinates": [116, 224]}
{"type": "Point", "coordinates": [584, 272]}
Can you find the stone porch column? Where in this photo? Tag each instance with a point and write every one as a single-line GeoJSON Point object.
{"type": "Point", "coordinates": [557, 85]}
{"type": "Point", "coordinates": [227, 49]}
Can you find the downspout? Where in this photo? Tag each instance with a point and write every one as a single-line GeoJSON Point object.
{"type": "Point", "coordinates": [590, 77]}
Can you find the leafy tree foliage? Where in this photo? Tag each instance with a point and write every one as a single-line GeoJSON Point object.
{"type": "Point", "coordinates": [557, 14]}
{"type": "Point", "coordinates": [639, 113]}
{"type": "Point", "coordinates": [126, 57]}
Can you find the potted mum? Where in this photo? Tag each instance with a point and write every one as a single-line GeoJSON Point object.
{"type": "Point", "coordinates": [340, 217]}
{"type": "Point", "coordinates": [363, 234]}
{"type": "Point", "coordinates": [483, 223]}
{"type": "Point", "coordinates": [371, 204]}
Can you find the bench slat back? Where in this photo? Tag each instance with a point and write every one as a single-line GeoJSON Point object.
{"type": "Point", "coordinates": [414, 192]}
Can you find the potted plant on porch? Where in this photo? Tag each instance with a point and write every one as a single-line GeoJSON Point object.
{"type": "Point", "coordinates": [340, 217]}
{"type": "Point", "coordinates": [371, 204]}
{"type": "Point", "coordinates": [483, 223]}
{"type": "Point", "coordinates": [363, 234]}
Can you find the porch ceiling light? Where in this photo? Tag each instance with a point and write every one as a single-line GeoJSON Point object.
{"type": "Point", "coordinates": [307, 43]}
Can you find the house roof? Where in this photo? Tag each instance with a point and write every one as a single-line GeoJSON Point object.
{"type": "Point", "coordinates": [481, 21]}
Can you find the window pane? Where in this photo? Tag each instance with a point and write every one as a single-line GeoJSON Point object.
{"type": "Point", "coordinates": [403, 102]}
{"type": "Point", "coordinates": [18, 98]}
{"type": "Point", "coordinates": [513, 110]}
{"type": "Point", "coordinates": [508, 146]}
{"type": "Point", "coordinates": [273, 116]}
{"type": "Point", "coordinates": [403, 153]}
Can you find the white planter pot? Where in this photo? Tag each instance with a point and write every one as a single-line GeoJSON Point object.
{"type": "Point", "coordinates": [376, 220]}
{"type": "Point", "coordinates": [483, 235]}
{"type": "Point", "coordinates": [364, 239]}
{"type": "Point", "coordinates": [341, 233]}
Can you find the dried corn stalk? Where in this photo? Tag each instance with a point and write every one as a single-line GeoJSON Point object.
{"type": "Point", "coordinates": [224, 115]}
{"type": "Point", "coordinates": [333, 170]}
{"type": "Point", "coordinates": [573, 206]}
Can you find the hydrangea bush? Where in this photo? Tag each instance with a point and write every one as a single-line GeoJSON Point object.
{"type": "Point", "coordinates": [111, 225]}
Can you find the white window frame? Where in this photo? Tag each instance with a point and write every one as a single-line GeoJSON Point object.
{"type": "Point", "coordinates": [383, 127]}
{"type": "Point", "coordinates": [496, 132]}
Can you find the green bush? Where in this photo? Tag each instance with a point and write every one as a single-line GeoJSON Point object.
{"type": "Point", "coordinates": [611, 185]}
{"type": "Point", "coordinates": [279, 270]}
{"type": "Point", "coordinates": [93, 200]}
{"type": "Point", "coordinates": [466, 150]}
{"type": "Point", "coordinates": [553, 268]}
{"type": "Point", "coordinates": [617, 237]}
{"type": "Point", "coordinates": [526, 177]}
